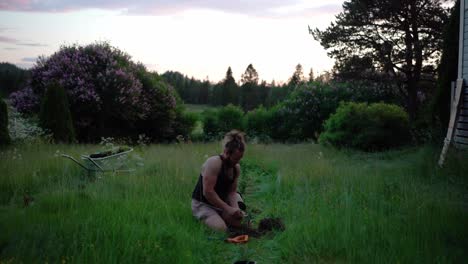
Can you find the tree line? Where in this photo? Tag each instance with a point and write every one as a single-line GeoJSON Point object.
{"type": "Point", "coordinates": [249, 93]}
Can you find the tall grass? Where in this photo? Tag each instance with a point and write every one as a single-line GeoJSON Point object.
{"type": "Point", "coordinates": [337, 207]}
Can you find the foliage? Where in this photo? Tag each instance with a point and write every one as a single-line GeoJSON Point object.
{"type": "Point", "coordinates": [298, 76]}
{"type": "Point", "coordinates": [301, 116]}
{"type": "Point", "coordinates": [12, 78]}
{"type": "Point", "coordinates": [23, 129]}
{"type": "Point", "coordinates": [190, 90]}
{"type": "Point", "coordinates": [4, 133]}
{"type": "Point", "coordinates": [250, 75]}
{"type": "Point", "coordinates": [229, 89]}
{"type": "Point", "coordinates": [229, 118]}
{"type": "Point", "coordinates": [185, 123]}
{"type": "Point", "coordinates": [210, 124]}
{"type": "Point", "coordinates": [55, 114]}
{"type": "Point", "coordinates": [161, 122]}
{"type": "Point", "coordinates": [448, 69]}
{"type": "Point", "coordinates": [104, 89]}
{"type": "Point", "coordinates": [258, 123]}
{"type": "Point", "coordinates": [217, 122]}
{"type": "Point", "coordinates": [371, 127]}
{"type": "Point", "coordinates": [400, 38]}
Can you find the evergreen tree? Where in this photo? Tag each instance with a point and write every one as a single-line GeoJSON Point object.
{"type": "Point", "coordinates": [250, 75]}
{"type": "Point", "coordinates": [4, 134]}
{"type": "Point", "coordinates": [204, 92]}
{"type": "Point", "coordinates": [311, 75]}
{"type": "Point", "coordinates": [12, 78]}
{"type": "Point", "coordinates": [248, 89]}
{"type": "Point", "coordinates": [297, 77]}
{"type": "Point", "coordinates": [401, 37]}
{"type": "Point", "coordinates": [55, 114]}
{"type": "Point", "coordinates": [230, 90]}
{"type": "Point", "coordinates": [448, 68]}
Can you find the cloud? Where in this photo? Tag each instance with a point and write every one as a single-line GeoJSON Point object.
{"type": "Point", "coordinates": [21, 43]}
{"type": "Point", "coordinates": [32, 44]}
{"type": "Point", "coordinates": [8, 40]}
{"type": "Point", "coordinates": [162, 7]}
{"type": "Point", "coordinates": [29, 59]}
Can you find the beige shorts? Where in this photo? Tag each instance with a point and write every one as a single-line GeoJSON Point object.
{"type": "Point", "coordinates": [203, 210]}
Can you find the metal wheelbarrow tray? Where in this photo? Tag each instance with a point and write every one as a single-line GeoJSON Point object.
{"type": "Point", "coordinates": [113, 160]}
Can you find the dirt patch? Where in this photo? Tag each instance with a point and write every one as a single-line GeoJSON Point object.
{"type": "Point", "coordinates": [265, 226]}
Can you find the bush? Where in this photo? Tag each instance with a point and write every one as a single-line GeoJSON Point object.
{"type": "Point", "coordinates": [371, 127]}
{"type": "Point", "coordinates": [229, 118]}
{"type": "Point", "coordinates": [23, 129]}
{"type": "Point", "coordinates": [301, 116]}
{"type": "Point", "coordinates": [210, 124]}
{"type": "Point", "coordinates": [55, 114]}
{"type": "Point", "coordinates": [258, 122]}
{"type": "Point", "coordinates": [4, 134]}
{"type": "Point", "coordinates": [185, 123]}
{"type": "Point", "coordinates": [109, 94]}
{"type": "Point", "coordinates": [217, 122]}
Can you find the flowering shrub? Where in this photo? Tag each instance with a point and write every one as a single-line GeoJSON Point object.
{"type": "Point", "coordinates": [105, 91]}
{"type": "Point", "coordinates": [24, 129]}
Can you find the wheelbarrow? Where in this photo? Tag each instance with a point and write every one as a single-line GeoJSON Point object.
{"type": "Point", "coordinates": [113, 160]}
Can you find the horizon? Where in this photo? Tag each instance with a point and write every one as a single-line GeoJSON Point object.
{"type": "Point", "coordinates": [178, 35]}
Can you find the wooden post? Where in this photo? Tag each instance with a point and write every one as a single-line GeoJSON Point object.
{"type": "Point", "coordinates": [453, 117]}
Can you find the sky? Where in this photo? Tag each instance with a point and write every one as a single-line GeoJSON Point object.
{"type": "Point", "coordinates": [199, 38]}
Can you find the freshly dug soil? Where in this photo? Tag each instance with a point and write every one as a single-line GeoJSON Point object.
{"type": "Point", "coordinates": [271, 224]}
{"type": "Point", "coordinates": [265, 226]}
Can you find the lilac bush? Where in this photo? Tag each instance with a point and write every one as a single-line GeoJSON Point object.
{"type": "Point", "coordinates": [106, 96]}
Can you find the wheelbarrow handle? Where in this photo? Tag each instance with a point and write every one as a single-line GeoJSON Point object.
{"type": "Point", "coordinates": [77, 162]}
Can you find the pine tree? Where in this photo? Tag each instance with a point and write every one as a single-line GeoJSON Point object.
{"type": "Point", "coordinates": [248, 89]}
{"type": "Point", "coordinates": [297, 77]}
{"type": "Point", "coordinates": [55, 114]}
{"type": "Point", "coordinates": [250, 75]}
{"type": "Point", "coordinates": [230, 90]}
{"type": "Point", "coordinates": [4, 134]}
{"type": "Point", "coordinates": [311, 75]}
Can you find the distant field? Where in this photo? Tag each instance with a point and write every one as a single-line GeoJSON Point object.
{"type": "Point", "coordinates": [338, 207]}
{"type": "Point", "coordinates": [194, 108]}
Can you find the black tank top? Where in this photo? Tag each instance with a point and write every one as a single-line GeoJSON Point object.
{"type": "Point", "coordinates": [222, 187]}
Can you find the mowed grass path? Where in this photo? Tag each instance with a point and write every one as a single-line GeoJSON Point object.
{"type": "Point", "coordinates": [338, 207]}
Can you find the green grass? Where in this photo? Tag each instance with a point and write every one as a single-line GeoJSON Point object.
{"type": "Point", "coordinates": [338, 207]}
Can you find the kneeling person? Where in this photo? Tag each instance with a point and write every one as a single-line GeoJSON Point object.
{"type": "Point", "coordinates": [215, 200]}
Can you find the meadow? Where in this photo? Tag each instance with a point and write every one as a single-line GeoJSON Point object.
{"type": "Point", "coordinates": [338, 206]}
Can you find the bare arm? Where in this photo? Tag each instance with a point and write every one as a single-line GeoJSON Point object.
{"type": "Point", "coordinates": [210, 175]}
{"type": "Point", "coordinates": [232, 196]}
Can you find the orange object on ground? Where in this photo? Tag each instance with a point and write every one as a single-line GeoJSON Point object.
{"type": "Point", "coordinates": [238, 239]}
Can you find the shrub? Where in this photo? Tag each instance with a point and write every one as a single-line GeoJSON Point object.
{"type": "Point", "coordinates": [230, 117]}
{"type": "Point", "coordinates": [161, 100]}
{"type": "Point", "coordinates": [23, 129]}
{"type": "Point", "coordinates": [4, 133]}
{"type": "Point", "coordinates": [55, 114]}
{"type": "Point", "coordinates": [258, 122]}
{"type": "Point", "coordinates": [301, 116]}
{"type": "Point", "coordinates": [109, 94]}
{"type": "Point", "coordinates": [217, 122]}
{"type": "Point", "coordinates": [210, 124]}
{"type": "Point", "coordinates": [371, 127]}
{"type": "Point", "coordinates": [185, 123]}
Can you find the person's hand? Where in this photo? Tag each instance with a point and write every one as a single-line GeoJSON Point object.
{"type": "Point", "coordinates": [232, 212]}
{"type": "Point", "coordinates": [239, 214]}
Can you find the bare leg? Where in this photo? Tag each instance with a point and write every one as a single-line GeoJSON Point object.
{"type": "Point", "coordinates": [215, 222]}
